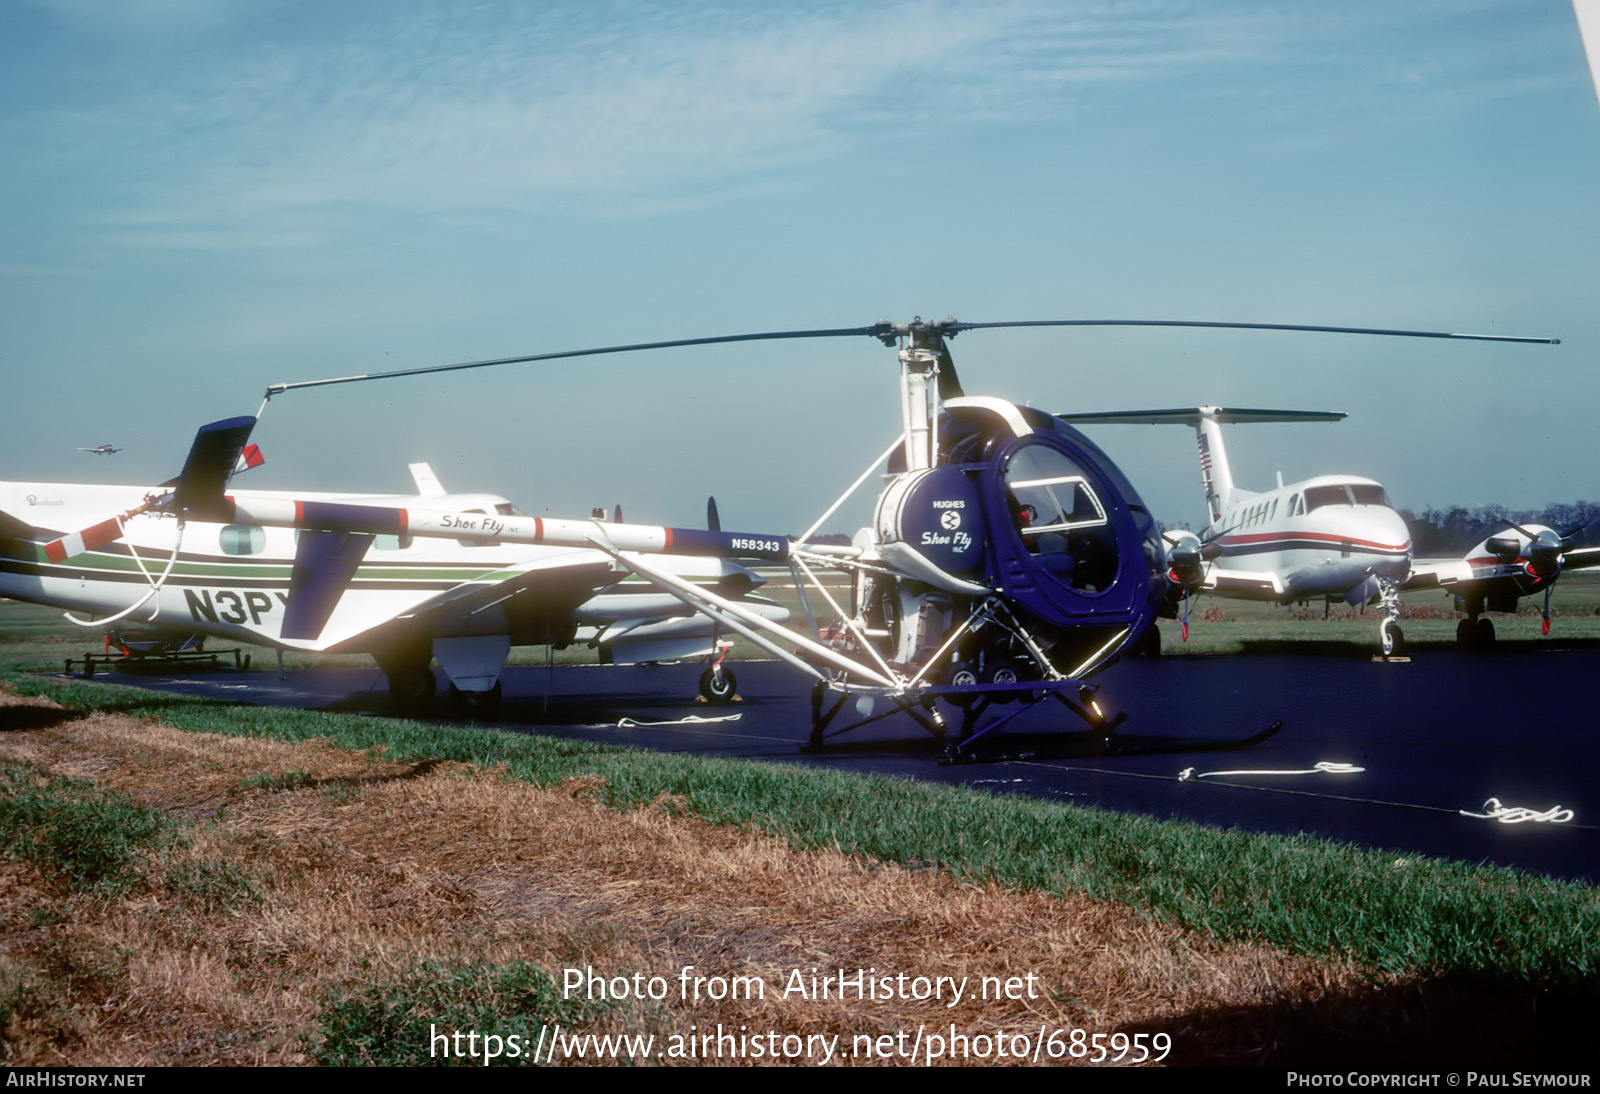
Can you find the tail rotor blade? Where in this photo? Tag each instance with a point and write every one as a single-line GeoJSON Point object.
{"type": "Point", "coordinates": [211, 460]}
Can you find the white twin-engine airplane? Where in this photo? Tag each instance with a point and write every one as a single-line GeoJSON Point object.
{"type": "Point", "coordinates": [1333, 536]}
{"type": "Point", "coordinates": [115, 552]}
{"type": "Point", "coordinates": [1337, 537]}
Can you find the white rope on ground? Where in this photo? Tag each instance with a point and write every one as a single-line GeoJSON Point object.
{"type": "Point", "coordinates": [691, 720]}
{"type": "Point", "coordinates": [1516, 814]}
{"type": "Point", "coordinates": [1323, 767]}
{"type": "Point", "coordinates": [1258, 789]}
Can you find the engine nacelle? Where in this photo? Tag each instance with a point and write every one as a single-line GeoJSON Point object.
{"type": "Point", "coordinates": [1185, 559]}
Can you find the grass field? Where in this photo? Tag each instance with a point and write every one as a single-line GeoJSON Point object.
{"type": "Point", "coordinates": [192, 881]}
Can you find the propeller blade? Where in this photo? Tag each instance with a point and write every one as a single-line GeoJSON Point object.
{"type": "Point", "coordinates": [616, 514]}
{"type": "Point", "coordinates": [713, 520]}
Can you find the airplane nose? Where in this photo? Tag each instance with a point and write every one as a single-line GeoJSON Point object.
{"type": "Point", "coordinates": [1380, 534]}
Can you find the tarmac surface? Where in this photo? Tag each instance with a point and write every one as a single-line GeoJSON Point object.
{"type": "Point", "coordinates": [1434, 736]}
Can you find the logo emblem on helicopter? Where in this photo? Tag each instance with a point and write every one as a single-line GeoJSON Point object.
{"type": "Point", "coordinates": [950, 519]}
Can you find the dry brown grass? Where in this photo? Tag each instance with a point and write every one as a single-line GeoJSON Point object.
{"type": "Point", "coordinates": [366, 867]}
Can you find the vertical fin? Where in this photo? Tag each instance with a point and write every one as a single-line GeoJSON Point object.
{"type": "Point", "coordinates": [1216, 475]}
{"type": "Point", "coordinates": [428, 484]}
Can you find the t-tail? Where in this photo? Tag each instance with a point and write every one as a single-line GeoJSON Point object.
{"type": "Point", "coordinates": [1216, 474]}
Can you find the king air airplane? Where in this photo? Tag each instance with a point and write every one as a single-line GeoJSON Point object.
{"type": "Point", "coordinates": [1329, 537]}
{"type": "Point", "coordinates": [114, 552]}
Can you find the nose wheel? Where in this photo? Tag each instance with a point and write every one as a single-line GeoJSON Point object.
{"type": "Point", "coordinates": [1390, 638]}
{"type": "Point", "coordinates": [717, 685]}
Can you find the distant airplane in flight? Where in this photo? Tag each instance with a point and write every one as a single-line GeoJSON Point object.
{"type": "Point", "coordinates": [101, 450]}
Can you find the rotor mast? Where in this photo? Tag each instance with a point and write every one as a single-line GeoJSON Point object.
{"type": "Point", "coordinates": [919, 392]}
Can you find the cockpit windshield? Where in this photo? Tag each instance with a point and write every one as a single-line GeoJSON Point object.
{"type": "Point", "coordinates": [1346, 493]}
{"type": "Point", "coordinates": [1060, 517]}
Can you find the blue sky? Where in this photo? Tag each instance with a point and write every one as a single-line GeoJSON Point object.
{"type": "Point", "coordinates": [202, 197]}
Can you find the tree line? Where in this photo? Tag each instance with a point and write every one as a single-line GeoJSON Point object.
{"type": "Point", "coordinates": [1454, 529]}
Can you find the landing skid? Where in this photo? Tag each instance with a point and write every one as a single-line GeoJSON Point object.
{"type": "Point", "coordinates": [1067, 745]}
{"type": "Point", "coordinates": [974, 701]}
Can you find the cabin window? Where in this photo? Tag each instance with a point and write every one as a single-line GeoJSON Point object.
{"type": "Point", "coordinates": [243, 539]}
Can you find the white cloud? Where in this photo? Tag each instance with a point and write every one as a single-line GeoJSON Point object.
{"type": "Point", "coordinates": [300, 131]}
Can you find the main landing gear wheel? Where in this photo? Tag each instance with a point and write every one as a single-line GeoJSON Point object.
{"type": "Point", "coordinates": [1003, 673]}
{"type": "Point", "coordinates": [485, 703]}
{"type": "Point", "coordinates": [718, 685]}
{"type": "Point", "coordinates": [1466, 633]}
{"type": "Point", "coordinates": [963, 677]}
{"type": "Point", "coordinates": [1394, 640]}
{"type": "Point", "coordinates": [1485, 634]}
{"type": "Point", "coordinates": [411, 688]}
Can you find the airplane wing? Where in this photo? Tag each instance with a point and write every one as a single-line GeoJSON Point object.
{"type": "Point", "coordinates": [1445, 573]}
{"type": "Point", "coordinates": [559, 584]}
{"type": "Point", "coordinates": [546, 590]}
{"type": "Point", "coordinates": [1442, 573]}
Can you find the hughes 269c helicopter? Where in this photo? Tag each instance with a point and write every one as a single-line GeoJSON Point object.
{"type": "Point", "coordinates": [1009, 558]}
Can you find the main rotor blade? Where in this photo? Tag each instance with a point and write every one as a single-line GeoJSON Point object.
{"type": "Point", "coordinates": [952, 327]}
{"type": "Point", "coordinates": [887, 332]}
{"type": "Point", "coordinates": [877, 330]}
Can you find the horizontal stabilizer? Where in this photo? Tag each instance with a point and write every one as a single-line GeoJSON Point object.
{"type": "Point", "coordinates": [324, 563]}
{"type": "Point", "coordinates": [1191, 416]}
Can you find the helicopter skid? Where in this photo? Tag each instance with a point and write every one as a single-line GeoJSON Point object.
{"type": "Point", "coordinates": [1071, 746]}
{"type": "Point", "coordinates": [920, 705]}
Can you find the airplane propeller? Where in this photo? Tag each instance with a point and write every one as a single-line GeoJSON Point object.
{"type": "Point", "coordinates": [1544, 553]}
{"type": "Point", "coordinates": [1186, 559]}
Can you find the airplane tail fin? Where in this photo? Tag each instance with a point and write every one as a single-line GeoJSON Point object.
{"type": "Point", "coordinates": [428, 484]}
{"type": "Point", "coordinates": [1216, 474]}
